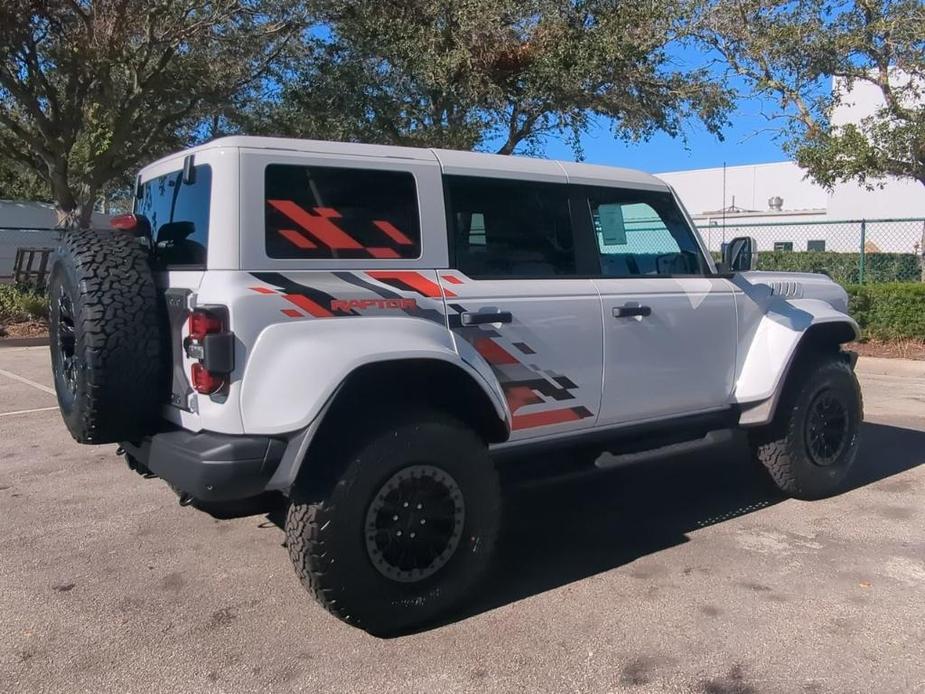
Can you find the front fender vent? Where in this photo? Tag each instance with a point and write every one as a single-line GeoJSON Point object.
{"type": "Point", "coordinates": [791, 290]}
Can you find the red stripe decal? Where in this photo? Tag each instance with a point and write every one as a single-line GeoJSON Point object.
{"type": "Point", "coordinates": [414, 280]}
{"type": "Point", "coordinates": [541, 419]}
{"type": "Point", "coordinates": [296, 239]}
{"type": "Point", "coordinates": [322, 228]}
{"type": "Point", "coordinates": [451, 279]}
{"type": "Point", "coordinates": [263, 290]}
{"type": "Point", "coordinates": [392, 232]}
{"type": "Point", "coordinates": [327, 212]}
{"type": "Point", "coordinates": [383, 253]}
{"type": "Point", "coordinates": [521, 396]}
{"type": "Point", "coordinates": [309, 306]}
{"type": "Point", "coordinates": [493, 352]}
{"type": "Point", "coordinates": [291, 312]}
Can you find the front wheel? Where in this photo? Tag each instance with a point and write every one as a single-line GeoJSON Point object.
{"type": "Point", "coordinates": [406, 528]}
{"type": "Point", "coordinates": [811, 446]}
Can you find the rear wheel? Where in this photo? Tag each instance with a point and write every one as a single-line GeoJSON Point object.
{"type": "Point", "coordinates": [405, 528]}
{"type": "Point", "coordinates": [811, 446]}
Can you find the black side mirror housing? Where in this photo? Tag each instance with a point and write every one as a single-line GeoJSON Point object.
{"type": "Point", "coordinates": [739, 254]}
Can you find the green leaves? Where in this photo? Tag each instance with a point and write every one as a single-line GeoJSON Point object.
{"type": "Point", "coordinates": [89, 90]}
{"type": "Point", "coordinates": [497, 74]}
{"type": "Point", "coordinates": [889, 311]}
{"type": "Point", "coordinates": [814, 57]}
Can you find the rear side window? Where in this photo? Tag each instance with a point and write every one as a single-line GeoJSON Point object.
{"type": "Point", "coordinates": [503, 228]}
{"type": "Point", "coordinates": [177, 214]}
{"type": "Point", "coordinates": [641, 233]}
{"type": "Point", "coordinates": [327, 212]}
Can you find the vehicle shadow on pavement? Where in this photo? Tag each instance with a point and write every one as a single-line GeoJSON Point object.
{"type": "Point", "coordinates": [559, 532]}
{"type": "Point", "coordinates": [563, 532]}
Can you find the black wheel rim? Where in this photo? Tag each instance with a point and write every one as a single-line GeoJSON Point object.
{"type": "Point", "coordinates": [826, 428]}
{"type": "Point", "coordinates": [414, 523]}
{"type": "Point", "coordinates": [66, 339]}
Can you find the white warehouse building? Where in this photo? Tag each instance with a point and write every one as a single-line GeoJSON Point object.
{"type": "Point", "coordinates": [791, 209]}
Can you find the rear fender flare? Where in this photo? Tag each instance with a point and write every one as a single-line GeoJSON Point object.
{"type": "Point", "coordinates": [295, 368]}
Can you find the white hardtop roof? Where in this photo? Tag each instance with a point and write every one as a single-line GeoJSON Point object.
{"type": "Point", "coordinates": [452, 161]}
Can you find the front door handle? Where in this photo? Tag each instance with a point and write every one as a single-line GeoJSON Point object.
{"type": "Point", "coordinates": [630, 311]}
{"type": "Point", "coordinates": [482, 318]}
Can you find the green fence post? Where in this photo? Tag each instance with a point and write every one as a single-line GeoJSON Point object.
{"type": "Point", "coordinates": [863, 241]}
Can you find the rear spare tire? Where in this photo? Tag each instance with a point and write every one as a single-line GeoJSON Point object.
{"type": "Point", "coordinates": [107, 344]}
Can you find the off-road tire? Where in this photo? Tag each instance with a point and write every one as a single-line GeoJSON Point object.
{"type": "Point", "coordinates": [783, 448]}
{"type": "Point", "coordinates": [110, 373]}
{"type": "Point", "coordinates": [325, 523]}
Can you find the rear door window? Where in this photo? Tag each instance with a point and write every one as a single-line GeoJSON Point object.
{"type": "Point", "coordinates": [177, 215]}
{"type": "Point", "coordinates": [504, 229]}
{"type": "Point", "coordinates": [328, 212]}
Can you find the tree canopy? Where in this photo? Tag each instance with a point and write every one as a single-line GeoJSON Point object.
{"type": "Point", "coordinates": [809, 55]}
{"type": "Point", "coordinates": [492, 74]}
{"type": "Point", "coordinates": [89, 89]}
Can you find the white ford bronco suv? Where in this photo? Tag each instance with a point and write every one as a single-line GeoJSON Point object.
{"type": "Point", "coordinates": [369, 330]}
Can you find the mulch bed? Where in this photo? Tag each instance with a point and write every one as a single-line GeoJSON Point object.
{"type": "Point", "coordinates": [904, 349]}
{"type": "Point", "coordinates": [27, 329]}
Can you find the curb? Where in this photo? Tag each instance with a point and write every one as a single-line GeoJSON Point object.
{"type": "Point", "coordinates": [39, 341]}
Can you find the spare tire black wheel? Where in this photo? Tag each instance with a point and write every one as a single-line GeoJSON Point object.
{"type": "Point", "coordinates": [107, 338]}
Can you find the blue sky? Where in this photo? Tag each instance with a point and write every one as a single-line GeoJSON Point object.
{"type": "Point", "coordinates": [746, 141]}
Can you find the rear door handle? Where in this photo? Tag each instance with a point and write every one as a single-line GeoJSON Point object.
{"type": "Point", "coordinates": [630, 311]}
{"type": "Point", "coordinates": [482, 318]}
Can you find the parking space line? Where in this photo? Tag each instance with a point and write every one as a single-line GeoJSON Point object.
{"type": "Point", "coordinates": [38, 409]}
{"type": "Point", "coordinates": [39, 386]}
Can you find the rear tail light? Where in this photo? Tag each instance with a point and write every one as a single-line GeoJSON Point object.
{"type": "Point", "coordinates": [205, 382]}
{"type": "Point", "coordinates": [211, 344]}
{"type": "Point", "coordinates": [125, 222]}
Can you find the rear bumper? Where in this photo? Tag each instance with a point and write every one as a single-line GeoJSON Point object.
{"type": "Point", "coordinates": [209, 466]}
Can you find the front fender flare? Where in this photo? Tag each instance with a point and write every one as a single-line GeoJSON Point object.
{"type": "Point", "coordinates": [772, 350]}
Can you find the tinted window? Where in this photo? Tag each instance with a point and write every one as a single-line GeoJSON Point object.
{"type": "Point", "coordinates": [642, 233]}
{"type": "Point", "coordinates": [324, 212]}
{"type": "Point", "coordinates": [504, 228]}
{"type": "Point", "coordinates": [178, 216]}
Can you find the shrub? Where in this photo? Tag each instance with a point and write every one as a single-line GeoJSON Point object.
{"type": "Point", "coordinates": [894, 311]}
{"type": "Point", "coordinates": [19, 303]}
{"type": "Point", "coordinates": [844, 268]}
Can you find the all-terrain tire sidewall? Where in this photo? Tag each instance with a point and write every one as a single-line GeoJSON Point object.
{"type": "Point", "coordinates": [782, 448]}
{"type": "Point", "coordinates": [63, 281]}
{"type": "Point", "coordinates": [329, 551]}
{"type": "Point", "coordinates": [119, 336]}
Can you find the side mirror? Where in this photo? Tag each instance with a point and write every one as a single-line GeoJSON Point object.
{"type": "Point", "coordinates": [739, 254]}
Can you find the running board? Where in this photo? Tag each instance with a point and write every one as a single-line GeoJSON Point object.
{"type": "Point", "coordinates": [717, 437]}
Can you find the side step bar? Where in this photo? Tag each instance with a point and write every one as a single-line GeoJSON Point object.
{"type": "Point", "coordinates": [717, 437]}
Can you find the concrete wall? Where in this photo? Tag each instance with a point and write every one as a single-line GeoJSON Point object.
{"type": "Point", "coordinates": [750, 187]}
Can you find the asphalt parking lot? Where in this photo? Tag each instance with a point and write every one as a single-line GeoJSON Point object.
{"type": "Point", "coordinates": [688, 575]}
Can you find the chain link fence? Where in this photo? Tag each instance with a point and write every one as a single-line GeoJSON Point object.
{"type": "Point", "coordinates": [860, 251]}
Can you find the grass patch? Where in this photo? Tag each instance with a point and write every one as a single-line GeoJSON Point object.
{"type": "Point", "coordinates": [21, 304]}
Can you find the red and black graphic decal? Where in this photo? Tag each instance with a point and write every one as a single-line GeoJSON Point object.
{"type": "Point", "coordinates": [325, 232]}
{"type": "Point", "coordinates": [313, 302]}
{"type": "Point", "coordinates": [523, 385]}
{"type": "Point", "coordinates": [408, 280]}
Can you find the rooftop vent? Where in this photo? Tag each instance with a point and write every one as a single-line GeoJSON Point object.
{"type": "Point", "coordinates": [776, 203]}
